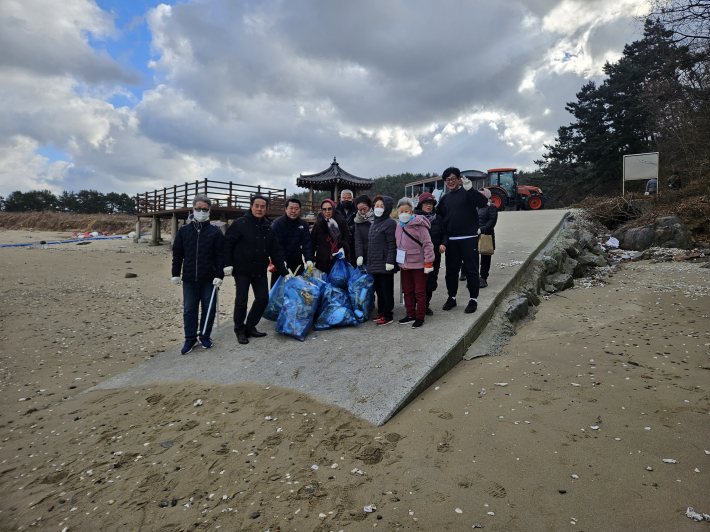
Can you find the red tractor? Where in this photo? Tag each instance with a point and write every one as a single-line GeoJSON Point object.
{"type": "Point", "coordinates": [505, 191]}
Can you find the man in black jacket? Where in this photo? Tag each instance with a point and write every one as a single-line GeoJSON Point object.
{"type": "Point", "coordinates": [294, 238]}
{"type": "Point", "coordinates": [459, 209]}
{"type": "Point", "coordinates": [197, 252]}
{"type": "Point", "coordinates": [249, 243]}
{"type": "Point", "coordinates": [347, 208]}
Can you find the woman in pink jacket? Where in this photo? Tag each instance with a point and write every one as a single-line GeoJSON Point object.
{"type": "Point", "coordinates": [415, 255]}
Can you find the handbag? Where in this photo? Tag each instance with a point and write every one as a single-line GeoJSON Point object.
{"type": "Point", "coordinates": [485, 244]}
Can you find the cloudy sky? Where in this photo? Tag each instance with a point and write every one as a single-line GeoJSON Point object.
{"type": "Point", "coordinates": [131, 95]}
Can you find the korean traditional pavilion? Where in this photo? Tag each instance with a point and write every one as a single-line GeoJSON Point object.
{"type": "Point", "coordinates": [334, 179]}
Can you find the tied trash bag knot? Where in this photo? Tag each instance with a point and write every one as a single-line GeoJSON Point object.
{"type": "Point", "coordinates": [340, 274]}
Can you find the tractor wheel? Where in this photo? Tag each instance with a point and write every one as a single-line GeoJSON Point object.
{"type": "Point", "coordinates": [534, 203]}
{"type": "Point", "coordinates": [498, 200]}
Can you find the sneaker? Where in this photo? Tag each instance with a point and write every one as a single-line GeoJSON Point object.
{"type": "Point", "coordinates": [450, 303]}
{"type": "Point", "coordinates": [206, 342]}
{"type": "Point", "coordinates": [417, 324]}
{"type": "Point", "coordinates": [483, 283]}
{"type": "Point", "coordinates": [471, 307]}
{"type": "Point", "coordinates": [376, 317]}
{"type": "Point", "coordinates": [189, 344]}
{"type": "Point", "coordinates": [429, 312]}
{"type": "Point", "coordinates": [384, 321]}
{"type": "Point", "coordinates": [406, 320]}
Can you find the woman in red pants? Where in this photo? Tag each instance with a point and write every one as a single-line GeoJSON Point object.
{"type": "Point", "coordinates": [415, 255]}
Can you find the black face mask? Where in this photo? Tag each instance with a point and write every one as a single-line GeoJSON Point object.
{"type": "Point", "coordinates": [347, 205]}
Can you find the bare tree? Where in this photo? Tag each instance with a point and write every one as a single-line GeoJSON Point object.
{"type": "Point", "coordinates": [688, 19]}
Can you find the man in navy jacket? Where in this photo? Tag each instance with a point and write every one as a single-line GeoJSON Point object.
{"type": "Point", "coordinates": [294, 238]}
{"type": "Point", "coordinates": [197, 251]}
{"type": "Point", "coordinates": [459, 209]}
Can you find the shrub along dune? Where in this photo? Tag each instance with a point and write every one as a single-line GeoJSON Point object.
{"type": "Point", "coordinates": [60, 221]}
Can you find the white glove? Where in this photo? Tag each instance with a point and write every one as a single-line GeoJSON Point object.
{"type": "Point", "coordinates": [466, 182]}
{"type": "Point", "coordinates": [309, 264]}
{"type": "Point", "coordinates": [479, 230]}
{"type": "Point", "coordinates": [228, 270]}
{"type": "Point", "coordinates": [217, 282]}
{"type": "Point", "coordinates": [288, 276]}
{"type": "Point", "coordinates": [359, 261]}
{"type": "Point", "coordinates": [389, 267]}
{"type": "Point", "coordinates": [341, 253]}
{"type": "Point", "coordinates": [428, 270]}
{"type": "Point", "coordinates": [175, 280]}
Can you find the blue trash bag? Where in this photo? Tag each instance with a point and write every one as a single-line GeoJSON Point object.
{"type": "Point", "coordinates": [361, 289]}
{"type": "Point", "coordinates": [340, 274]}
{"type": "Point", "coordinates": [298, 310]}
{"type": "Point", "coordinates": [276, 300]}
{"type": "Point", "coordinates": [318, 278]}
{"type": "Point", "coordinates": [335, 309]}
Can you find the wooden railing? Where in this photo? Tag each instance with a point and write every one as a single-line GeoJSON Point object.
{"type": "Point", "coordinates": [223, 194]}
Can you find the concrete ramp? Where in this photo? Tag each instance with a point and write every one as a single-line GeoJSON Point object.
{"type": "Point", "coordinates": [371, 371]}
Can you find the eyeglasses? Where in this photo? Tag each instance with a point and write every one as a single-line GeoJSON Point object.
{"type": "Point", "coordinates": [451, 178]}
{"type": "Point", "coordinates": [326, 209]}
{"type": "Point", "coordinates": [363, 210]}
{"type": "Point", "coordinates": [197, 209]}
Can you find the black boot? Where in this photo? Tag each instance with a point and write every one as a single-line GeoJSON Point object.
{"type": "Point", "coordinates": [253, 333]}
{"type": "Point", "coordinates": [242, 338]}
{"type": "Point", "coordinates": [450, 303]}
{"type": "Point", "coordinates": [429, 312]}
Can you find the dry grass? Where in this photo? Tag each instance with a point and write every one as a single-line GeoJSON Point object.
{"type": "Point", "coordinates": [58, 221]}
{"type": "Point", "coordinates": [690, 204]}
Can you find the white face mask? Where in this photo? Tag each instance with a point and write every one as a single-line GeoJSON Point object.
{"type": "Point", "coordinates": [405, 217]}
{"type": "Point", "coordinates": [201, 216]}
{"type": "Point", "coordinates": [379, 211]}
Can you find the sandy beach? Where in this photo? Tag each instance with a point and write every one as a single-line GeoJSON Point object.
{"type": "Point", "coordinates": [567, 430]}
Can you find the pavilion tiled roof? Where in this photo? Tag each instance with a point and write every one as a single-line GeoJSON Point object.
{"type": "Point", "coordinates": [331, 176]}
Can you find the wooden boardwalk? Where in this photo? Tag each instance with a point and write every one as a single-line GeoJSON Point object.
{"type": "Point", "coordinates": [229, 200]}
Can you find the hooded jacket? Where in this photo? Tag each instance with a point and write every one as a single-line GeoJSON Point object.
{"type": "Point", "coordinates": [322, 242]}
{"type": "Point", "coordinates": [382, 248]}
{"type": "Point", "coordinates": [487, 218]}
{"type": "Point", "coordinates": [416, 256]}
{"type": "Point", "coordinates": [197, 250]}
{"type": "Point", "coordinates": [294, 239]}
{"type": "Point", "coordinates": [362, 234]}
{"type": "Point", "coordinates": [249, 244]}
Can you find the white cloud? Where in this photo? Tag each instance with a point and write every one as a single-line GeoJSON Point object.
{"type": "Point", "coordinates": [265, 91]}
{"type": "Point", "coordinates": [22, 169]}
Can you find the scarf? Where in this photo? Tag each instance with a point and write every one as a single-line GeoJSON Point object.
{"type": "Point", "coordinates": [369, 217]}
{"type": "Point", "coordinates": [334, 231]}
{"type": "Point", "coordinates": [431, 217]}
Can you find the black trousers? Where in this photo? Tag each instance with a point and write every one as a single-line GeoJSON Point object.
{"type": "Point", "coordinates": [260, 285]}
{"type": "Point", "coordinates": [486, 261]}
{"type": "Point", "coordinates": [296, 266]}
{"type": "Point", "coordinates": [384, 289]}
{"type": "Point", "coordinates": [432, 282]}
{"type": "Point", "coordinates": [465, 251]}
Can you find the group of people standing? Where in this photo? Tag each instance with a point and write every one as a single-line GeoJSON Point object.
{"type": "Point", "coordinates": [360, 230]}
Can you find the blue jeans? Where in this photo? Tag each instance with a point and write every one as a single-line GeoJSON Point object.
{"type": "Point", "coordinates": [193, 295]}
